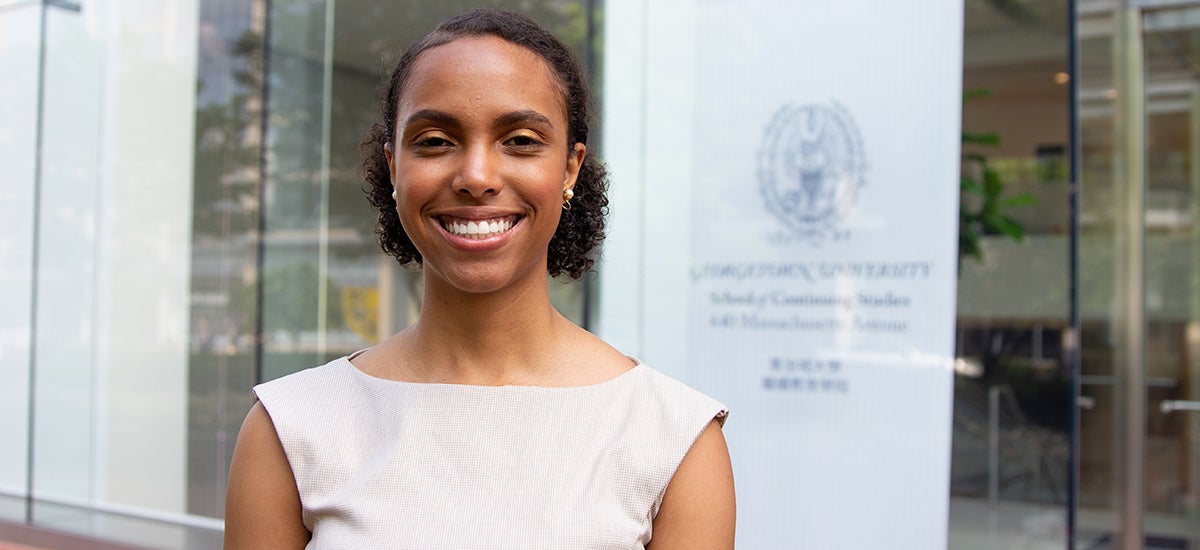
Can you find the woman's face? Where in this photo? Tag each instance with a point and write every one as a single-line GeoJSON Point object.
{"type": "Point", "coordinates": [480, 161]}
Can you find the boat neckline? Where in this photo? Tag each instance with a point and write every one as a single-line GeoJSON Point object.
{"type": "Point", "coordinates": [637, 366]}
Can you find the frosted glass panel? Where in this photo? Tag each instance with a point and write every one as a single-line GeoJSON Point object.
{"type": "Point", "coordinates": [66, 285]}
{"type": "Point", "coordinates": [18, 56]}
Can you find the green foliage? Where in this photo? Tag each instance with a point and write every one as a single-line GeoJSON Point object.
{"type": "Point", "coordinates": [225, 189]}
{"type": "Point", "coordinates": [983, 205]}
{"type": "Point", "coordinates": [290, 299]}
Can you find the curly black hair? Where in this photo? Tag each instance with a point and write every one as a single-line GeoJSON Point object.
{"type": "Point", "coordinates": [581, 228]}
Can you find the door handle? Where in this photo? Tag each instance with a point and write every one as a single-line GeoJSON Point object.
{"type": "Point", "coordinates": [1168, 406]}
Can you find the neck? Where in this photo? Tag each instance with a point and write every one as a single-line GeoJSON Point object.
{"type": "Point", "coordinates": [504, 337]}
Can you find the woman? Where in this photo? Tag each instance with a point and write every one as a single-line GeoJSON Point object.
{"type": "Point", "coordinates": [492, 421]}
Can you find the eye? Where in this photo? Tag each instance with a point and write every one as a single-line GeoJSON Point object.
{"type": "Point", "coordinates": [432, 142]}
{"type": "Point", "coordinates": [523, 141]}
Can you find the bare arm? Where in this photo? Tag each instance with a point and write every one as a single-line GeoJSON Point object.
{"type": "Point", "coordinates": [698, 510]}
{"type": "Point", "coordinates": [262, 505]}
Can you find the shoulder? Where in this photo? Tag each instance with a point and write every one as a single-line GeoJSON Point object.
{"type": "Point", "coordinates": [309, 396]}
{"type": "Point", "coordinates": [307, 379]}
{"type": "Point", "coordinates": [312, 413]}
{"type": "Point", "coordinates": [698, 510]}
{"type": "Point", "coordinates": [262, 504]}
{"type": "Point", "coordinates": [316, 411]}
{"type": "Point", "coordinates": [681, 402]}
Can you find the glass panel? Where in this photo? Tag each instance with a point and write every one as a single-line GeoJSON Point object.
{"type": "Point", "coordinates": [1096, 272]}
{"type": "Point", "coordinates": [19, 43]}
{"type": "Point", "coordinates": [65, 349]}
{"type": "Point", "coordinates": [1172, 280]}
{"type": "Point", "coordinates": [225, 214]}
{"type": "Point", "coordinates": [1160, 55]}
{"type": "Point", "coordinates": [110, 355]}
{"type": "Point", "coordinates": [1010, 442]}
{"type": "Point", "coordinates": [295, 242]}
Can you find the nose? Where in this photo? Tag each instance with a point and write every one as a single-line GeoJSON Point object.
{"type": "Point", "coordinates": [478, 175]}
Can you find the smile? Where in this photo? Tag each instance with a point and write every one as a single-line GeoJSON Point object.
{"type": "Point", "coordinates": [477, 229]}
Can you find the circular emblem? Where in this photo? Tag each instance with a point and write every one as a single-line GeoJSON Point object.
{"type": "Point", "coordinates": [810, 166]}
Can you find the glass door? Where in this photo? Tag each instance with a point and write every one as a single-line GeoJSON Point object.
{"type": "Point", "coordinates": [1171, 69]}
{"type": "Point", "coordinates": [1139, 274]}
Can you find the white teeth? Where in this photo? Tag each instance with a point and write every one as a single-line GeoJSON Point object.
{"type": "Point", "coordinates": [478, 230]}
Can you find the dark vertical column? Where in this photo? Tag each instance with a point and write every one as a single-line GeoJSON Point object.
{"type": "Point", "coordinates": [261, 247]}
{"type": "Point", "coordinates": [1075, 330]}
{"type": "Point", "coordinates": [34, 261]}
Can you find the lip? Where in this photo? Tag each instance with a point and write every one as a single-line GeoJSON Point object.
{"type": "Point", "coordinates": [473, 242]}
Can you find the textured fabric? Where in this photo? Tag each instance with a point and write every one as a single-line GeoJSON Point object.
{"type": "Point", "coordinates": [387, 464]}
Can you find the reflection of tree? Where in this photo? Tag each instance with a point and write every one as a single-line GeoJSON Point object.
{"type": "Point", "coordinates": [226, 176]}
{"type": "Point", "coordinates": [227, 145]}
{"type": "Point", "coordinates": [225, 214]}
{"type": "Point", "coordinates": [290, 294]}
{"type": "Point", "coordinates": [384, 28]}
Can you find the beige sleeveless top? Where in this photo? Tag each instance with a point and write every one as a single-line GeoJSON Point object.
{"type": "Point", "coordinates": [387, 464]}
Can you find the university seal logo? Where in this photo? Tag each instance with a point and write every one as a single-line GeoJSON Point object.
{"type": "Point", "coordinates": [810, 168]}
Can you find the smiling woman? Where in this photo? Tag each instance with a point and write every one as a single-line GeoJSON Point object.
{"type": "Point", "coordinates": [477, 145]}
{"type": "Point", "coordinates": [492, 421]}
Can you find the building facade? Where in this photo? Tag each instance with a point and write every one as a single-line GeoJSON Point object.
{"type": "Point", "coordinates": [181, 217]}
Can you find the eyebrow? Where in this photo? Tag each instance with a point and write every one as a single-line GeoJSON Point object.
{"type": "Point", "coordinates": [515, 117]}
{"type": "Point", "coordinates": [430, 115]}
{"type": "Point", "coordinates": [446, 119]}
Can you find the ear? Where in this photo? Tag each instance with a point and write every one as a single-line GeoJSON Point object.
{"type": "Point", "coordinates": [574, 163]}
{"type": "Point", "coordinates": [391, 162]}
